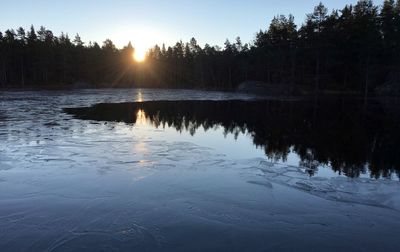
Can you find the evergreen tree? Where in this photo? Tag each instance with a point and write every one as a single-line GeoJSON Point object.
{"type": "Point", "coordinates": [354, 49]}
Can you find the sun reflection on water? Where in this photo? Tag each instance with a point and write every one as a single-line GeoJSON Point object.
{"type": "Point", "coordinates": [141, 117]}
{"type": "Point", "coordinates": [139, 97]}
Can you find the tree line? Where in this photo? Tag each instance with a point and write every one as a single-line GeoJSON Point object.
{"type": "Point", "coordinates": [355, 49]}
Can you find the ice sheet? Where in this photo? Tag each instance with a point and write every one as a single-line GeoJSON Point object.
{"type": "Point", "coordinates": [67, 184]}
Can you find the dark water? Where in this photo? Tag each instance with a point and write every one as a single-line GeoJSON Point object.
{"type": "Point", "coordinates": [347, 136]}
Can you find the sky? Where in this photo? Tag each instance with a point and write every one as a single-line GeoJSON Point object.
{"type": "Point", "coordinates": [151, 22]}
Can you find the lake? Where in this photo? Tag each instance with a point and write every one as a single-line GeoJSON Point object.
{"type": "Point", "coordinates": [186, 170]}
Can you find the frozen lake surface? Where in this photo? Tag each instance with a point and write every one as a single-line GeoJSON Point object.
{"type": "Point", "coordinates": [231, 173]}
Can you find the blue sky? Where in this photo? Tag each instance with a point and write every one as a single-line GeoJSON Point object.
{"type": "Point", "coordinates": [155, 21]}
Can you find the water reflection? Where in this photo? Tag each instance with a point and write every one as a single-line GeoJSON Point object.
{"type": "Point", "coordinates": [140, 117]}
{"type": "Point", "coordinates": [343, 135]}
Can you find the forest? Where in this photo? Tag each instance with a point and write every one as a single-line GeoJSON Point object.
{"type": "Point", "coordinates": [353, 50]}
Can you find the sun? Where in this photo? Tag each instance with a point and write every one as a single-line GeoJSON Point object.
{"type": "Point", "coordinates": [142, 39]}
{"type": "Point", "coordinates": [139, 55]}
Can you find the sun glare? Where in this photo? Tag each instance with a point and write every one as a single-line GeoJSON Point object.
{"type": "Point", "coordinates": [139, 55]}
{"type": "Point", "coordinates": [142, 38]}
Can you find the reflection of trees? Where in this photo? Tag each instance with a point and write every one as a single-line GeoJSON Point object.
{"type": "Point", "coordinates": [340, 134]}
